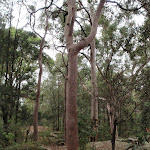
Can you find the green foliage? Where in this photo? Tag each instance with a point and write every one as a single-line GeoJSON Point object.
{"type": "Point", "coordinates": [119, 45]}
{"type": "Point", "coordinates": [18, 57]}
{"type": "Point", "coordinates": [15, 133]}
{"type": "Point", "coordinates": [31, 7]}
{"type": "Point", "coordinates": [6, 138]}
{"type": "Point", "coordinates": [89, 1]}
{"type": "Point", "coordinates": [49, 137]}
{"type": "Point", "coordinates": [84, 130]}
{"type": "Point", "coordinates": [26, 146]}
{"type": "Point", "coordinates": [1, 124]}
{"type": "Point", "coordinates": [145, 116]}
{"type": "Point", "coordinates": [61, 60]}
{"type": "Point", "coordinates": [104, 132]}
{"type": "Point", "coordinates": [141, 141]}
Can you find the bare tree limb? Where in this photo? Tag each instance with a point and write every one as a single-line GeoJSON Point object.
{"type": "Point", "coordinates": [86, 11]}
{"type": "Point", "coordinates": [129, 116]}
{"type": "Point", "coordinates": [126, 9]}
{"type": "Point", "coordinates": [46, 7]}
{"type": "Point", "coordinates": [93, 32]}
{"type": "Point", "coordinates": [60, 71]}
{"type": "Point", "coordinates": [89, 92]}
{"type": "Point", "coordinates": [33, 14]}
{"type": "Point", "coordinates": [81, 28]}
{"type": "Point", "coordinates": [140, 68]}
{"type": "Point", "coordinates": [36, 108]}
{"type": "Point", "coordinates": [86, 56]}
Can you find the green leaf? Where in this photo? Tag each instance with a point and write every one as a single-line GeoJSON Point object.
{"type": "Point", "coordinates": [89, 1]}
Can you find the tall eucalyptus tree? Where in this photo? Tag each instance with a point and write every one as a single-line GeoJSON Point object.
{"type": "Point", "coordinates": [73, 50]}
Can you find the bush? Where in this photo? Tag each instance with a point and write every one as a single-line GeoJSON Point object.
{"type": "Point", "coordinates": [104, 132]}
{"type": "Point", "coordinates": [9, 137]}
{"type": "Point", "coordinates": [1, 124]}
{"type": "Point", "coordinates": [1, 134]}
{"type": "Point", "coordinates": [84, 130]}
{"type": "Point", "coordinates": [17, 129]}
{"type": "Point", "coordinates": [140, 142]}
{"type": "Point", "coordinates": [6, 139]}
{"type": "Point", "coordinates": [1, 147]}
{"type": "Point", "coordinates": [26, 146]}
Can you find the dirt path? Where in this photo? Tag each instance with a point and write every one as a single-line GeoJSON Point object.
{"type": "Point", "coordinates": [106, 145]}
{"type": "Point", "coordinates": [55, 147]}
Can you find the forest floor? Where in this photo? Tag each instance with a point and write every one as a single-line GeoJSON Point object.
{"type": "Point", "coordinates": [105, 145]}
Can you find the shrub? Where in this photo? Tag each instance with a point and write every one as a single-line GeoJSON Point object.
{"type": "Point", "coordinates": [104, 132]}
{"type": "Point", "coordinates": [26, 146]}
{"type": "Point", "coordinates": [84, 130]}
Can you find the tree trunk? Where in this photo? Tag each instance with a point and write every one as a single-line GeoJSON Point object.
{"type": "Point", "coordinates": [5, 118]}
{"type": "Point", "coordinates": [36, 109]}
{"type": "Point", "coordinates": [71, 107]}
{"type": "Point", "coordinates": [113, 123]}
{"type": "Point", "coordinates": [18, 88]}
{"type": "Point", "coordinates": [65, 97]}
{"type": "Point", "coordinates": [58, 108]}
{"type": "Point", "coordinates": [17, 109]}
{"type": "Point", "coordinates": [94, 102]}
{"type": "Point", "coordinates": [73, 50]}
{"type": "Point", "coordinates": [113, 138]}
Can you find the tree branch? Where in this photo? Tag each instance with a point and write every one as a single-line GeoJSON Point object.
{"type": "Point", "coordinates": [126, 9]}
{"type": "Point", "coordinates": [121, 121]}
{"type": "Point", "coordinates": [86, 11]}
{"type": "Point", "coordinates": [81, 28]}
{"type": "Point", "coordinates": [42, 8]}
{"type": "Point", "coordinates": [93, 32]}
{"type": "Point", "coordinates": [140, 68]}
{"type": "Point", "coordinates": [68, 31]}
{"type": "Point", "coordinates": [33, 14]}
{"type": "Point", "coordinates": [84, 87]}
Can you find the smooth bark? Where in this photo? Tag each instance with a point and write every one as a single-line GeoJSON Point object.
{"type": "Point", "coordinates": [94, 102]}
{"type": "Point", "coordinates": [73, 50]}
{"type": "Point", "coordinates": [65, 100]}
{"type": "Point", "coordinates": [36, 109]}
{"type": "Point", "coordinates": [71, 107]}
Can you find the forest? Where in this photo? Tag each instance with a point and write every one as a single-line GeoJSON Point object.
{"type": "Point", "coordinates": [74, 75]}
